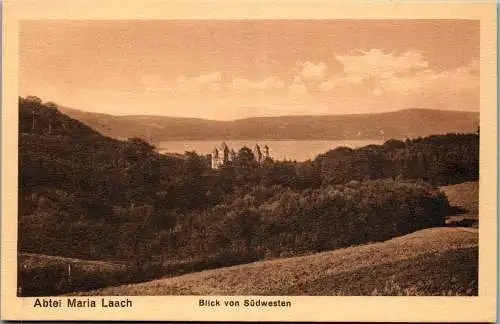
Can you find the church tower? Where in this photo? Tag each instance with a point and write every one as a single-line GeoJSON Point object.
{"type": "Point", "coordinates": [258, 153]}
{"type": "Point", "coordinates": [215, 158]}
{"type": "Point", "coordinates": [266, 152]}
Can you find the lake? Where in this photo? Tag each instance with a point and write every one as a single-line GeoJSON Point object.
{"type": "Point", "coordinates": [299, 150]}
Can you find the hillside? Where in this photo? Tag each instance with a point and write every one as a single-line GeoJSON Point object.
{"type": "Point", "coordinates": [401, 124]}
{"type": "Point", "coordinates": [465, 197]}
{"type": "Point", "coordinates": [38, 119]}
{"type": "Point", "coordinates": [438, 261]}
{"type": "Point", "coordinates": [48, 275]}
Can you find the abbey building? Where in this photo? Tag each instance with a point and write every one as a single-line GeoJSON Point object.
{"type": "Point", "coordinates": [223, 154]}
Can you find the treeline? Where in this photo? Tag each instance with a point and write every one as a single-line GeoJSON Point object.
{"type": "Point", "coordinates": [269, 222]}
{"type": "Point", "coordinates": [438, 159]}
{"type": "Point", "coordinates": [87, 196]}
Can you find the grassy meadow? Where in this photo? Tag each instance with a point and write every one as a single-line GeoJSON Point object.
{"type": "Point", "coordinates": [421, 263]}
{"type": "Point", "coordinates": [465, 198]}
{"type": "Point", "coordinates": [41, 275]}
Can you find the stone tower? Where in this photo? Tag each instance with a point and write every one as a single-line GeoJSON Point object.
{"type": "Point", "coordinates": [215, 158]}
{"type": "Point", "coordinates": [266, 152]}
{"type": "Point", "coordinates": [258, 153]}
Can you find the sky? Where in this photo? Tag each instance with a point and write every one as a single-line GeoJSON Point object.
{"type": "Point", "coordinates": [225, 70]}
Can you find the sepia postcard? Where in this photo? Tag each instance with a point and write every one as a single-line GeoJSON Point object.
{"type": "Point", "coordinates": [249, 161]}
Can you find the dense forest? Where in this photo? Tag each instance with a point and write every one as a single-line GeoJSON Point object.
{"type": "Point", "coordinates": [85, 195]}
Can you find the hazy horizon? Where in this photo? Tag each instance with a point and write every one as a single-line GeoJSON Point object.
{"type": "Point", "coordinates": [251, 117]}
{"type": "Point", "coordinates": [227, 70]}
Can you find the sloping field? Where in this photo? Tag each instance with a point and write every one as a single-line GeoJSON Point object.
{"type": "Point", "coordinates": [437, 261]}
{"type": "Point", "coordinates": [464, 196]}
{"type": "Point", "coordinates": [33, 260]}
{"type": "Point", "coordinates": [41, 275]}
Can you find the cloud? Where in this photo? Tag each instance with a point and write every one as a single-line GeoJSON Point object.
{"type": "Point", "coordinates": [406, 74]}
{"type": "Point", "coordinates": [377, 64]}
{"type": "Point", "coordinates": [362, 66]}
{"type": "Point", "coordinates": [272, 82]}
{"type": "Point", "coordinates": [367, 80]}
{"type": "Point", "coordinates": [208, 78]}
{"type": "Point", "coordinates": [326, 86]}
{"type": "Point", "coordinates": [152, 83]}
{"type": "Point", "coordinates": [210, 81]}
{"type": "Point", "coordinates": [462, 78]}
{"type": "Point", "coordinates": [335, 81]}
{"type": "Point", "coordinates": [298, 88]}
{"type": "Point", "coordinates": [311, 71]}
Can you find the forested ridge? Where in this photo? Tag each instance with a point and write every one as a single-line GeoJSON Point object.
{"type": "Point", "coordinates": [400, 124]}
{"type": "Point", "coordinates": [89, 196]}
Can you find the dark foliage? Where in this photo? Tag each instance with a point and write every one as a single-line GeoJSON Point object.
{"type": "Point", "coordinates": [87, 196]}
{"type": "Point", "coordinates": [438, 159]}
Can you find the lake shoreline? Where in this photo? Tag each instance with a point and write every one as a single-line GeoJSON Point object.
{"type": "Point", "coordinates": [298, 150]}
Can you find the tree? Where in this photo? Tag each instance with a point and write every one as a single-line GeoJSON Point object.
{"type": "Point", "coordinates": [195, 167]}
{"type": "Point", "coordinates": [245, 157]}
{"type": "Point", "coordinates": [225, 152]}
{"type": "Point", "coordinates": [266, 152]}
{"type": "Point", "coordinates": [52, 110]}
{"type": "Point", "coordinates": [258, 152]}
{"type": "Point", "coordinates": [35, 103]}
{"type": "Point", "coordinates": [245, 165]}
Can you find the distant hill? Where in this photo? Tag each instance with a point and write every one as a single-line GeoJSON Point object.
{"type": "Point", "coordinates": [399, 124]}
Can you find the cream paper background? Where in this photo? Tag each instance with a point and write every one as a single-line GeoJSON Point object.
{"type": "Point", "coordinates": [479, 309]}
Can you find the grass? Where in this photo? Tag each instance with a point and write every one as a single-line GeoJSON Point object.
{"type": "Point", "coordinates": [33, 261]}
{"type": "Point", "coordinates": [437, 261]}
{"type": "Point", "coordinates": [465, 197]}
{"type": "Point", "coordinates": [429, 274]}
{"type": "Point", "coordinates": [43, 275]}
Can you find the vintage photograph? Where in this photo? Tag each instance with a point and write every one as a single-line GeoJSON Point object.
{"type": "Point", "coordinates": [248, 157]}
